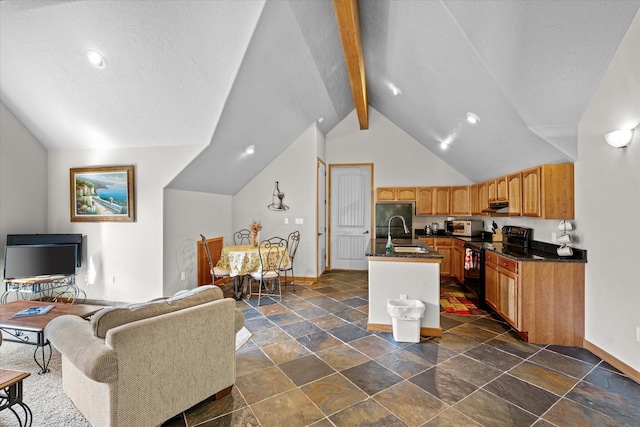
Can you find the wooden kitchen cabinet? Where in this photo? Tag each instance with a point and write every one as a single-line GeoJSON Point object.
{"type": "Point", "coordinates": [424, 200]}
{"type": "Point", "coordinates": [502, 189]}
{"type": "Point", "coordinates": [406, 193]}
{"type": "Point", "coordinates": [514, 182]}
{"type": "Point", "coordinates": [396, 193]}
{"type": "Point", "coordinates": [508, 287]}
{"type": "Point", "coordinates": [543, 301]}
{"type": "Point", "coordinates": [442, 200]}
{"type": "Point", "coordinates": [548, 191]}
{"type": "Point", "coordinates": [475, 200]}
{"type": "Point", "coordinates": [457, 260]}
{"type": "Point", "coordinates": [433, 200]}
{"type": "Point", "coordinates": [492, 193]}
{"type": "Point", "coordinates": [483, 196]}
{"type": "Point", "coordinates": [502, 287]}
{"type": "Point", "coordinates": [385, 193]}
{"type": "Point", "coordinates": [491, 279]}
{"type": "Point", "coordinates": [460, 200]}
{"type": "Point", "coordinates": [443, 245]}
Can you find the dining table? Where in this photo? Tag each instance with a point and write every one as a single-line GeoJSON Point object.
{"type": "Point", "coordinates": [243, 260]}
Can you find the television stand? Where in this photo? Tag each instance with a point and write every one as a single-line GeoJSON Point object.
{"type": "Point", "coordinates": [43, 288]}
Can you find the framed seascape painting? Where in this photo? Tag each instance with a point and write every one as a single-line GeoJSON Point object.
{"type": "Point", "coordinates": [104, 193]}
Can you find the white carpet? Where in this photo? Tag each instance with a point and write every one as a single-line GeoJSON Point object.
{"type": "Point", "coordinates": [43, 393]}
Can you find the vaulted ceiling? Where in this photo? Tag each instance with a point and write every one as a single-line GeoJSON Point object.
{"type": "Point", "coordinates": [229, 74]}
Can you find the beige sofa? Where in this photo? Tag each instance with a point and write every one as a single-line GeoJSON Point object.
{"type": "Point", "coordinates": [142, 364]}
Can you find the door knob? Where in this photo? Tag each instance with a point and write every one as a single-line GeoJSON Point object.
{"type": "Point", "coordinates": [366, 232]}
{"type": "Point", "coordinates": [319, 234]}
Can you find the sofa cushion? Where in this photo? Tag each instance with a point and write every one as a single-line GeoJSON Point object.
{"type": "Point", "coordinates": [112, 317]}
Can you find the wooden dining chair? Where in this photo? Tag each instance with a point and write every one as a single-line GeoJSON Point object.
{"type": "Point", "coordinates": [216, 272]}
{"type": "Point", "coordinates": [271, 252]}
{"type": "Point", "coordinates": [292, 241]}
{"type": "Point", "coordinates": [242, 237]}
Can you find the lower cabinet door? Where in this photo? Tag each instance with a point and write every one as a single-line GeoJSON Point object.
{"type": "Point", "coordinates": [491, 280]}
{"type": "Point", "coordinates": [508, 299]}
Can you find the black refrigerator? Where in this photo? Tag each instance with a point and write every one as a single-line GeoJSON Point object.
{"type": "Point", "coordinates": [384, 211]}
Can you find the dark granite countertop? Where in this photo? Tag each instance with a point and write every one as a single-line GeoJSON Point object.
{"type": "Point", "coordinates": [539, 251]}
{"type": "Point", "coordinates": [378, 248]}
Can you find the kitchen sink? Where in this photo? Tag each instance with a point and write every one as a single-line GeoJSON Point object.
{"type": "Point", "coordinates": [410, 249]}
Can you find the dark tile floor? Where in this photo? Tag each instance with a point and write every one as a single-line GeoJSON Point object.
{"type": "Point", "coordinates": [311, 362]}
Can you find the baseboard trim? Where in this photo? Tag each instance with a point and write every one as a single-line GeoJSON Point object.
{"type": "Point", "coordinates": [619, 365]}
{"type": "Point", "coordinates": [424, 332]}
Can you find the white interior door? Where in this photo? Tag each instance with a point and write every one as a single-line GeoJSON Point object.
{"type": "Point", "coordinates": [350, 216]}
{"type": "Point", "coordinates": [322, 216]}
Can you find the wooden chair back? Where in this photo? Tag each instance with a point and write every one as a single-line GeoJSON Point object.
{"type": "Point", "coordinates": [208, 253]}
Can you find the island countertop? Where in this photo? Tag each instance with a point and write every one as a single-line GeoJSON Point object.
{"type": "Point", "coordinates": [377, 248]}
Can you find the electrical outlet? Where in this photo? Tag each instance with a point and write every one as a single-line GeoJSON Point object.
{"type": "Point", "coordinates": [183, 275]}
{"type": "Point", "coordinates": [286, 220]}
{"type": "Point", "coordinates": [554, 237]}
{"type": "Point", "coordinates": [299, 221]}
{"type": "Point", "coordinates": [637, 333]}
{"type": "Point", "coordinates": [113, 280]}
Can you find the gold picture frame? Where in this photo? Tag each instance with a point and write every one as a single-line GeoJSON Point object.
{"type": "Point", "coordinates": [102, 193]}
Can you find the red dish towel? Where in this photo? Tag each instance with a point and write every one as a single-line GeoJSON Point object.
{"type": "Point", "coordinates": [467, 259]}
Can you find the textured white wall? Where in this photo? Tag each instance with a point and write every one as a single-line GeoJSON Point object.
{"type": "Point", "coordinates": [23, 177]}
{"type": "Point", "coordinates": [399, 160]}
{"type": "Point", "coordinates": [295, 170]}
{"type": "Point", "coordinates": [132, 252]}
{"type": "Point", "coordinates": [608, 205]}
{"type": "Point", "coordinates": [187, 214]}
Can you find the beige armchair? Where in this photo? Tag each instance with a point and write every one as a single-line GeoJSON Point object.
{"type": "Point", "coordinates": [140, 365]}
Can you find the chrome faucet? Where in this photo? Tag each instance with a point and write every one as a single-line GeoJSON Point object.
{"type": "Point", "coordinates": [404, 224]}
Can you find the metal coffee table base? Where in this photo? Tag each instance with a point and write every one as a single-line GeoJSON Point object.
{"type": "Point", "coordinates": [42, 359]}
{"type": "Point", "coordinates": [11, 396]}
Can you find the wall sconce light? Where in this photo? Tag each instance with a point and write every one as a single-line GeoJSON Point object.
{"type": "Point", "coordinates": [276, 199]}
{"type": "Point", "coordinates": [619, 138]}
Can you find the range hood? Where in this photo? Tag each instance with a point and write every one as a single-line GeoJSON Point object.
{"type": "Point", "coordinates": [498, 207]}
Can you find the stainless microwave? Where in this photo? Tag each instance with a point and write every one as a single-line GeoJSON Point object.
{"type": "Point", "coordinates": [467, 228]}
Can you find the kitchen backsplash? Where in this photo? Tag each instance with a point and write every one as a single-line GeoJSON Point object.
{"type": "Point", "coordinates": [542, 229]}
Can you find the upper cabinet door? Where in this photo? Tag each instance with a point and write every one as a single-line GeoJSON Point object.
{"type": "Point", "coordinates": [460, 200]}
{"type": "Point", "coordinates": [491, 190]}
{"type": "Point", "coordinates": [441, 201]}
{"type": "Point", "coordinates": [502, 189]}
{"type": "Point", "coordinates": [424, 200]}
{"type": "Point", "coordinates": [406, 193]}
{"type": "Point", "coordinates": [514, 182]}
{"type": "Point", "coordinates": [385, 193]}
{"type": "Point", "coordinates": [531, 192]}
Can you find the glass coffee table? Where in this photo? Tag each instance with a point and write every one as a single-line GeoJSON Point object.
{"type": "Point", "coordinates": [30, 329]}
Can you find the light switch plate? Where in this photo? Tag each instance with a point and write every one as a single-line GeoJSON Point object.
{"type": "Point", "coordinates": [299, 221]}
{"type": "Point", "coordinates": [637, 333]}
{"type": "Point", "coordinates": [286, 220]}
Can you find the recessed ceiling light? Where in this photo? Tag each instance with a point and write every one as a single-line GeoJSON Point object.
{"type": "Point", "coordinates": [321, 119]}
{"type": "Point", "coordinates": [396, 90]}
{"type": "Point", "coordinates": [473, 118]}
{"type": "Point", "coordinates": [250, 149]}
{"type": "Point", "coordinates": [96, 59]}
{"type": "Point", "coordinates": [444, 145]}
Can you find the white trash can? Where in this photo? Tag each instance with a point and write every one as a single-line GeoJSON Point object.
{"type": "Point", "coordinates": [405, 318]}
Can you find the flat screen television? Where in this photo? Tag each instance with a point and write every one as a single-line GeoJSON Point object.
{"type": "Point", "coordinates": [39, 260]}
{"type": "Point", "coordinates": [48, 239]}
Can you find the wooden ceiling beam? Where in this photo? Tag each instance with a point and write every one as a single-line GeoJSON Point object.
{"type": "Point", "coordinates": [348, 19]}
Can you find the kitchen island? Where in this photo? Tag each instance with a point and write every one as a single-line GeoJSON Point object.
{"type": "Point", "coordinates": [412, 269]}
